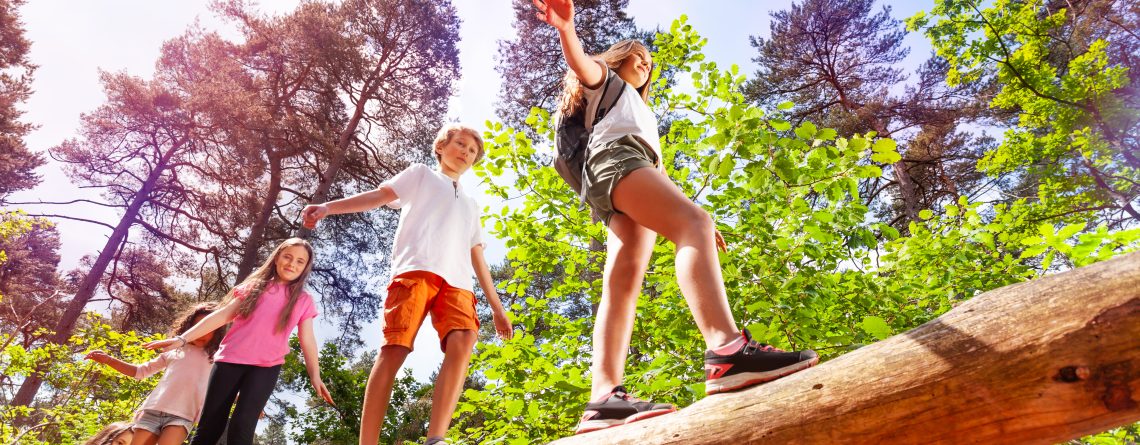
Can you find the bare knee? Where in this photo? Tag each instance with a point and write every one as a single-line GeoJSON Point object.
{"type": "Point", "coordinates": [462, 338]}
{"type": "Point", "coordinates": [693, 223]}
{"type": "Point", "coordinates": [624, 268]}
{"type": "Point", "coordinates": [392, 355]}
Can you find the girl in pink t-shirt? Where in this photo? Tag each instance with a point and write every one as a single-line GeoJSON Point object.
{"type": "Point", "coordinates": [264, 310]}
{"type": "Point", "coordinates": [169, 412]}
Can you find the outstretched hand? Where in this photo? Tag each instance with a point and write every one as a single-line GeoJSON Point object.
{"type": "Point", "coordinates": [556, 13]}
{"type": "Point", "coordinates": [162, 345]}
{"type": "Point", "coordinates": [313, 213]}
{"type": "Point", "coordinates": [97, 356]}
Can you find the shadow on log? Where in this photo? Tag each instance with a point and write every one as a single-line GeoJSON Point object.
{"type": "Point", "coordinates": [1038, 362]}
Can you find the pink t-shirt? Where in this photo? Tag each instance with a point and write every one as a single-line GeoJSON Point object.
{"type": "Point", "coordinates": [182, 388]}
{"type": "Point", "coordinates": [254, 340]}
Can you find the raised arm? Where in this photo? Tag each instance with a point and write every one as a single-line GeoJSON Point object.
{"type": "Point", "coordinates": [210, 323]}
{"type": "Point", "coordinates": [560, 15]}
{"type": "Point", "coordinates": [498, 313]}
{"type": "Point", "coordinates": [360, 202]}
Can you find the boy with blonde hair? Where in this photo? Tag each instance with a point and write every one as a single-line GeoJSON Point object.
{"type": "Point", "coordinates": [438, 247]}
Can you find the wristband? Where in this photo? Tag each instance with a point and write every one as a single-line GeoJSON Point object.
{"type": "Point", "coordinates": [183, 340]}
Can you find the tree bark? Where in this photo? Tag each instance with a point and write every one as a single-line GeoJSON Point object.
{"type": "Point", "coordinates": [257, 232]}
{"type": "Point", "coordinates": [321, 194]}
{"type": "Point", "coordinates": [66, 324]}
{"type": "Point", "coordinates": [1038, 362]}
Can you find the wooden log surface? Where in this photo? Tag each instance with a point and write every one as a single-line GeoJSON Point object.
{"type": "Point", "coordinates": [1039, 362]}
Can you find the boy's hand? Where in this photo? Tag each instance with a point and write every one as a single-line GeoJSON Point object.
{"type": "Point", "coordinates": [313, 213]}
{"type": "Point", "coordinates": [503, 325]}
{"type": "Point", "coordinates": [720, 244]}
{"type": "Point", "coordinates": [556, 13]}
{"type": "Point", "coordinates": [97, 356]}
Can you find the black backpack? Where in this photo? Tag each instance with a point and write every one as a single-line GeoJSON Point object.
{"type": "Point", "coordinates": [572, 135]}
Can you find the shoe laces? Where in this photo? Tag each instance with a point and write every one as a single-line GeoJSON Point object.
{"type": "Point", "coordinates": [621, 393]}
{"type": "Point", "coordinates": [754, 346]}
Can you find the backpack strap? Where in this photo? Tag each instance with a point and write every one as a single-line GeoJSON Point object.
{"type": "Point", "coordinates": [611, 92]}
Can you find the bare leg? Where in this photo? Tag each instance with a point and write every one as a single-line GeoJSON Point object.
{"type": "Point", "coordinates": [144, 437]}
{"type": "Point", "coordinates": [652, 200]}
{"type": "Point", "coordinates": [378, 392]}
{"type": "Point", "coordinates": [628, 248]}
{"type": "Point", "coordinates": [172, 435]}
{"type": "Point", "coordinates": [449, 382]}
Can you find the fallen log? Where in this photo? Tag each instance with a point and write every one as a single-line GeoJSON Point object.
{"type": "Point", "coordinates": [1038, 362]}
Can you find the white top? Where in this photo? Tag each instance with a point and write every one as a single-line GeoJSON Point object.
{"type": "Point", "coordinates": [182, 389]}
{"type": "Point", "coordinates": [439, 225]}
{"type": "Point", "coordinates": [630, 115]}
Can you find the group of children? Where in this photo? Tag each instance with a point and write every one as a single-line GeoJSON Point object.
{"type": "Point", "coordinates": [438, 248]}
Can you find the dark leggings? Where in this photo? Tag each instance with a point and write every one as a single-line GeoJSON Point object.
{"type": "Point", "coordinates": [255, 384]}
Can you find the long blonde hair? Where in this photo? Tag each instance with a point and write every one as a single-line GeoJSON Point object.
{"type": "Point", "coordinates": [613, 58]}
{"type": "Point", "coordinates": [255, 284]}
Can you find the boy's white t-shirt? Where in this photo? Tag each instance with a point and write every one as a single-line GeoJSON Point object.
{"type": "Point", "coordinates": [630, 115]}
{"type": "Point", "coordinates": [439, 225]}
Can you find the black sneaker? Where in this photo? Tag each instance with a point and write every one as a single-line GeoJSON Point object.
{"type": "Point", "coordinates": [752, 364]}
{"type": "Point", "coordinates": [618, 408]}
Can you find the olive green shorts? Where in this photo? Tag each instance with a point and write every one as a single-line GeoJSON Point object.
{"type": "Point", "coordinates": [608, 164]}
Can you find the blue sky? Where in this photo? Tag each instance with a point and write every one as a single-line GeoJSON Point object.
{"type": "Point", "coordinates": [71, 41]}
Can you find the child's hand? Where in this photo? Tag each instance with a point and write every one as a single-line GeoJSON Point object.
{"type": "Point", "coordinates": [319, 387]}
{"type": "Point", "coordinates": [556, 13]}
{"type": "Point", "coordinates": [720, 244]}
{"type": "Point", "coordinates": [313, 213]}
{"type": "Point", "coordinates": [163, 345]}
{"type": "Point", "coordinates": [97, 356]}
{"type": "Point", "coordinates": [503, 325]}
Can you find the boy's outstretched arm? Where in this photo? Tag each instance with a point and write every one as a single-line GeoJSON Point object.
{"type": "Point", "coordinates": [360, 202]}
{"type": "Point", "coordinates": [560, 15]}
{"type": "Point", "coordinates": [498, 314]}
{"type": "Point", "coordinates": [124, 368]}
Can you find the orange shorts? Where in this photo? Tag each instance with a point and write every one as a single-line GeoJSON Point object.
{"type": "Point", "coordinates": [412, 295]}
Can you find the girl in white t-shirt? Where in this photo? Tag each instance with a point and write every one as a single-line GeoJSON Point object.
{"type": "Point", "coordinates": [638, 201]}
{"type": "Point", "coordinates": [169, 412]}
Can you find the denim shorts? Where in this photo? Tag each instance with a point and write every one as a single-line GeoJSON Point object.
{"type": "Point", "coordinates": [155, 421]}
{"type": "Point", "coordinates": [609, 163]}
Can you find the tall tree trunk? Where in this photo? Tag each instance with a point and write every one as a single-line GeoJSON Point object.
{"type": "Point", "coordinates": [908, 190]}
{"type": "Point", "coordinates": [1043, 362]}
{"type": "Point", "coordinates": [257, 232]}
{"type": "Point", "coordinates": [66, 324]}
{"type": "Point", "coordinates": [340, 152]}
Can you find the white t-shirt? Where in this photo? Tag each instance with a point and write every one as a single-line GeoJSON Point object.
{"type": "Point", "coordinates": [439, 225]}
{"type": "Point", "coordinates": [630, 115]}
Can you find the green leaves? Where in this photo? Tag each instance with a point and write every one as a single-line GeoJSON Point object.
{"type": "Point", "coordinates": [1070, 99]}
{"type": "Point", "coordinates": [884, 152]}
{"type": "Point", "coordinates": [808, 266]}
{"type": "Point", "coordinates": [875, 326]}
{"type": "Point", "coordinates": [806, 131]}
{"type": "Point", "coordinates": [88, 395]}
